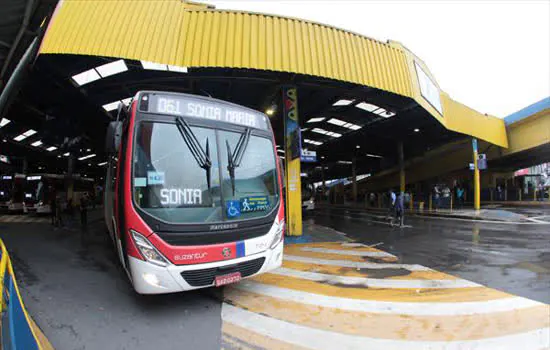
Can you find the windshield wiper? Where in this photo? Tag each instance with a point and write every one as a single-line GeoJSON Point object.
{"type": "Point", "coordinates": [201, 156]}
{"type": "Point", "coordinates": [234, 158]}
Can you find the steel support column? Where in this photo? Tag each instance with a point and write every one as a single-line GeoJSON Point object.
{"type": "Point", "coordinates": [477, 189]}
{"type": "Point", "coordinates": [354, 178]}
{"type": "Point", "coordinates": [293, 145]}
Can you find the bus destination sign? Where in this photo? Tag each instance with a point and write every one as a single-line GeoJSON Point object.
{"type": "Point", "coordinates": [182, 105]}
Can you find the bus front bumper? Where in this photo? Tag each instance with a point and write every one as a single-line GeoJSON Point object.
{"type": "Point", "coordinates": [153, 279]}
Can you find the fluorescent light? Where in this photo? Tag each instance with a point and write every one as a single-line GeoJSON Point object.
{"type": "Point", "coordinates": [51, 148]}
{"type": "Point", "coordinates": [153, 65]}
{"type": "Point", "coordinates": [66, 154]}
{"type": "Point", "coordinates": [178, 69]}
{"type": "Point", "coordinates": [111, 68]}
{"type": "Point", "coordinates": [357, 146]}
{"type": "Point", "coordinates": [320, 131]}
{"type": "Point", "coordinates": [126, 101]}
{"type": "Point", "coordinates": [111, 106]}
{"type": "Point", "coordinates": [269, 111]}
{"type": "Point", "coordinates": [36, 143]}
{"type": "Point", "coordinates": [24, 135]}
{"type": "Point", "coordinates": [373, 155]}
{"type": "Point", "coordinates": [343, 102]}
{"type": "Point", "coordinates": [375, 109]}
{"type": "Point", "coordinates": [333, 134]}
{"type": "Point", "coordinates": [416, 130]}
{"type": "Point", "coordinates": [4, 122]}
{"type": "Point", "coordinates": [101, 164]}
{"type": "Point", "coordinates": [312, 142]}
{"type": "Point", "coordinates": [355, 127]}
{"type": "Point", "coordinates": [344, 162]}
{"type": "Point", "coordinates": [281, 157]}
{"type": "Point", "coordinates": [367, 106]}
{"type": "Point", "coordinates": [280, 150]}
{"type": "Point", "coordinates": [88, 149]}
{"type": "Point", "coordinates": [304, 129]}
{"type": "Point", "coordinates": [86, 77]}
{"type": "Point", "coordinates": [316, 120]}
{"type": "Point", "coordinates": [87, 157]}
{"type": "Point", "coordinates": [336, 122]}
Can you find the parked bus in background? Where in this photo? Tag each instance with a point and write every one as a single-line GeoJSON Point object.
{"type": "Point", "coordinates": [6, 188]}
{"type": "Point", "coordinates": [193, 192]}
{"type": "Point", "coordinates": [42, 189]}
{"type": "Point", "coordinates": [16, 200]}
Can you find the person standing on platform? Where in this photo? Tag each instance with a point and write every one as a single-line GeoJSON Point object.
{"type": "Point", "coordinates": [391, 203]}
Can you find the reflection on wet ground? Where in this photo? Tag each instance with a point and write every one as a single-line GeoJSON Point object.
{"type": "Point", "coordinates": [510, 257]}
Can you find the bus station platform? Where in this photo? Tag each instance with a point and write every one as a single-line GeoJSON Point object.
{"type": "Point", "coordinates": [348, 282]}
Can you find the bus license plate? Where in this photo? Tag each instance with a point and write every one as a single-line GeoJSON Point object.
{"type": "Point", "coordinates": [227, 279]}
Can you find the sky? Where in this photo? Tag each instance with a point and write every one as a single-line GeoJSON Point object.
{"type": "Point", "coordinates": [493, 56]}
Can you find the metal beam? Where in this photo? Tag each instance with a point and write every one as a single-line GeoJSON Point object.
{"type": "Point", "coordinates": [22, 29]}
{"type": "Point", "coordinates": [5, 44]}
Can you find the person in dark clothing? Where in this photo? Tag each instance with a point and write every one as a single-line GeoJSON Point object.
{"type": "Point", "coordinates": [84, 210]}
{"type": "Point", "coordinates": [400, 209]}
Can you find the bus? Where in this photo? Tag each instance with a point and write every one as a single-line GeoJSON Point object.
{"type": "Point", "coordinates": [41, 189]}
{"type": "Point", "coordinates": [15, 184]}
{"type": "Point", "coordinates": [6, 189]}
{"type": "Point", "coordinates": [193, 192]}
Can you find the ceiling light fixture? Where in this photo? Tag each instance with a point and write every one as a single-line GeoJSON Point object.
{"type": "Point", "coordinates": [51, 148]}
{"type": "Point", "coordinates": [36, 143]}
{"type": "Point", "coordinates": [112, 68]}
{"type": "Point", "coordinates": [87, 157]}
{"type": "Point", "coordinates": [316, 120]}
{"type": "Point", "coordinates": [343, 102]}
{"type": "Point", "coordinates": [4, 122]}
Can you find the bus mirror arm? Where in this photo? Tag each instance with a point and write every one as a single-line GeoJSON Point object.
{"type": "Point", "coordinates": [113, 137]}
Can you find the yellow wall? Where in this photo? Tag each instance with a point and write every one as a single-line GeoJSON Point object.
{"type": "Point", "coordinates": [528, 133]}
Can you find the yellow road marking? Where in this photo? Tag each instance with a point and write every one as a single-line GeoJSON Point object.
{"type": "Point", "coordinates": [244, 338]}
{"type": "Point", "coordinates": [403, 327]}
{"type": "Point", "coordinates": [398, 273]}
{"type": "Point", "coordinates": [393, 294]}
{"type": "Point", "coordinates": [328, 256]}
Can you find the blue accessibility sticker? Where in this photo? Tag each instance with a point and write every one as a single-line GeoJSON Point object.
{"type": "Point", "coordinates": [233, 208]}
{"type": "Point", "coordinates": [254, 203]}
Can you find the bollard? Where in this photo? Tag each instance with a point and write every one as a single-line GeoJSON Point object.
{"type": "Point", "coordinates": [430, 204]}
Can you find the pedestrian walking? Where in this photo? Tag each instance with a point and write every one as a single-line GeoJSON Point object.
{"type": "Point", "coordinates": [391, 203]}
{"type": "Point", "coordinates": [436, 195]}
{"type": "Point", "coordinates": [460, 197]}
{"type": "Point", "coordinates": [400, 209]}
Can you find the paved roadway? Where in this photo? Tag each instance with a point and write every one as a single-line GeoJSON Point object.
{"type": "Point", "coordinates": [328, 295]}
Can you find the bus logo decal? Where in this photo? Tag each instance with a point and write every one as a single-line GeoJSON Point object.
{"type": "Point", "coordinates": [226, 252]}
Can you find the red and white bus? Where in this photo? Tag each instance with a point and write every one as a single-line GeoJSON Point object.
{"type": "Point", "coordinates": [193, 192]}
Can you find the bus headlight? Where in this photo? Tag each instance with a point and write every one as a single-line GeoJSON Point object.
{"type": "Point", "coordinates": [148, 250]}
{"type": "Point", "coordinates": [279, 231]}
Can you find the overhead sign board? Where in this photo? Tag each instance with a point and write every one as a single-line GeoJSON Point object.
{"type": "Point", "coordinates": [308, 156]}
{"type": "Point", "coordinates": [203, 108]}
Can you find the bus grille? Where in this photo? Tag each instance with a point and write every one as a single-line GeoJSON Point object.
{"type": "Point", "coordinates": [205, 277]}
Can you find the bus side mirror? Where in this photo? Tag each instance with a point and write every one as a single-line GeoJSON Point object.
{"type": "Point", "coordinates": [113, 137]}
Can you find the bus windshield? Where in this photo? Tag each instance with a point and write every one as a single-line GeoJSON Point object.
{"type": "Point", "coordinates": [171, 184]}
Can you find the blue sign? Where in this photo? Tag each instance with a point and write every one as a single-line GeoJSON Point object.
{"type": "Point", "coordinates": [254, 203]}
{"type": "Point", "coordinates": [308, 156]}
{"type": "Point", "coordinates": [155, 177]}
{"type": "Point", "coordinates": [233, 208]}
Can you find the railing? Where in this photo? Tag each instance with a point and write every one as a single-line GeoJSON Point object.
{"type": "Point", "coordinates": [17, 328]}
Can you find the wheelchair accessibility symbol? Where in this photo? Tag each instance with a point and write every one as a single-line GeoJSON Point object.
{"type": "Point", "coordinates": [233, 208]}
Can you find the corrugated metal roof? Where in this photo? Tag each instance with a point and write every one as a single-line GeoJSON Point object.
{"type": "Point", "coordinates": [174, 33]}
{"type": "Point", "coordinates": [528, 111]}
{"type": "Point", "coordinates": [167, 32]}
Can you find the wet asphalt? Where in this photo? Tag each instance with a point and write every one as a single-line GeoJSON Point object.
{"type": "Point", "coordinates": [511, 257]}
{"type": "Point", "coordinates": [81, 299]}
